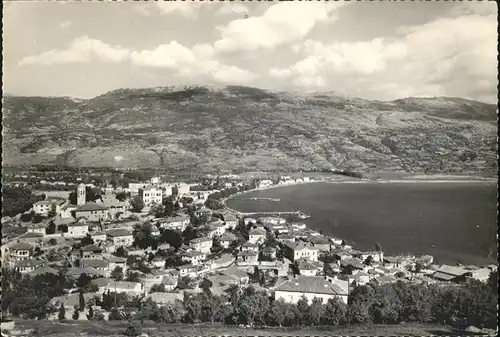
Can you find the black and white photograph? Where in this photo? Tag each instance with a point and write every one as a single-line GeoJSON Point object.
{"type": "Point", "coordinates": [249, 168]}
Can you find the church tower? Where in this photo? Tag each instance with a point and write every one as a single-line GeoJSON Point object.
{"type": "Point", "coordinates": [80, 195]}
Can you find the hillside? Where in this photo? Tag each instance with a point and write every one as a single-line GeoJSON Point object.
{"type": "Point", "coordinates": [249, 129]}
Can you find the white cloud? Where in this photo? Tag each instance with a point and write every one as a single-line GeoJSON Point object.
{"type": "Point", "coordinates": [232, 75]}
{"type": "Point", "coordinates": [281, 23]}
{"type": "Point", "coordinates": [65, 24]}
{"type": "Point", "coordinates": [83, 49]}
{"type": "Point", "coordinates": [169, 55]}
{"type": "Point", "coordinates": [229, 7]}
{"type": "Point", "coordinates": [188, 9]}
{"type": "Point", "coordinates": [441, 57]}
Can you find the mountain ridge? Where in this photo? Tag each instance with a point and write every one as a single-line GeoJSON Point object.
{"type": "Point", "coordinates": [238, 128]}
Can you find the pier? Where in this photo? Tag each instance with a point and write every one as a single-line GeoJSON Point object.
{"type": "Point", "coordinates": [268, 213]}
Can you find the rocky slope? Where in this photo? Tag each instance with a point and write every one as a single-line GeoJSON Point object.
{"type": "Point", "coordinates": [249, 129]}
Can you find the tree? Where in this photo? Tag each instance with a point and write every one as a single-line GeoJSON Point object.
{"type": "Point", "coordinates": [120, 252]}
{"type": "Point", "coordinates": [37, 218]}
{"type": "Point", "coordinates": [316, 312]}
{"type": "Point", "coordinates": [62, 312]}
{"type": "Point", "coordinates": [81, 300]}
{"type": "Point", "coordinates": [52, 242]}
{"type": "Point", "coordinates": [115, 315]}
{"type": "Point", "coordinates": [360, 301]}
{"type": "Point", "coordinates": [335, 312]}
{"type": "Point", "coordinates": [276, 314]}
{"type": "Point", "coordinates": [87, 240]}
{"type": "Point", "coordinates": [51, 228]}
{"type": "Point", "coordinates": [369, 260]}
{"type": "Point", "coordinates": [83, 280]}
{"type": "Point", "coordinates": [62, 228]}
{"type": "Point", "coordinates": [142, 235]}
{"type": "Point", "coordinates": [53, 211]}
{"type": "Point", "coordinates": [137, 204]}
{"type": "Point", "coordinates": [173, 238]}
{"type": "Point", "coordinates": [304, 310]}
{"type": "Point", "coordinates": [122, 196]}
{"type": "Point", "coordinates": [76, 314]}
{"type": "Point", "coordinates": [175, 191]}
{"type": "Point", "coordinates": [117, 273]}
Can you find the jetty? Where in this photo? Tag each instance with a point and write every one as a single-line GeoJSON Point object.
{"type": "Point", "coordinates": [262, 198]}
{"type": "Point", "coordinates": [268, 213]}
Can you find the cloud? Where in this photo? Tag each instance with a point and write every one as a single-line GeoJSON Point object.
{"type": "Point", "coordinates": [188, 9]}
{"type": "Point", "coordinates": [441, 57]}
{"type": "Point", "coordinates": [229, 7]}
{"type": "Point", "coordinates": [83, 49]}
{"type": "Point", "coordinates": [65, 24]}
{"type": "Point", "coordinates": [281, 23]}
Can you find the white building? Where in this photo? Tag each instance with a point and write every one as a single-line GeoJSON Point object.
{"type": "Point", "coordinates": [194, 257]}
{"type": "Point", "coordinates": [202, 244]}
{"type": "Point", "coordinates": [300, 250]}
{"type": "Point", "coordinates": [150, 196]}
{"type": "Point", "coordinates": [179, 222]}
{"type": "Point", "coordinates": [217, 228]}
{"type": "Point", "coordinates": [311, 287]}
{"type": "Point", "coordinates": [120, 237]}
{"type": "Point", "coordinates": [256, 235]}
{"type": "Point", "coordinates": [20, 251]}
{"type": "Point", "coordinates": [129, 288]}
{"type": "Point", "coordinates": [133, 188]}
{"type": "Point", "coordinates": [77, 229]}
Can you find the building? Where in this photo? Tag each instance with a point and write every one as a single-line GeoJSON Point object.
{"type": "Point", "coordinates": [81, 195]}
{"type": "Point", "coordinates": [134, 187]}
{"type": "Point", "coordinates": [20, 251]}
{"type": "Point", "coordinates": [67, 211]}
{"type": "Point", "coordinates": [28, 265]}
{"type": "Point", "coordinates": [230, 220]}
{"type": "Point", "coordinates": [451, 274]}
{"type": "Point", "coordinates": [92, 212]}
{"type": "Point", "coordinates": [115, 261]}
{"type": "Point", "coordinates": [300, 250]}
{"type": "Point", "coordinates": [216, 228]}
{"type": "Point", "coordinates": [227, 239]}
{"type": "Point", "coordinates": [36, 228]}
{"type": "Point", "coordinates": [78, 229]}
{"type": "Point", "coordinates": [249, 246]}
{"type": "Point", "coordinates": [256, 235]}
{"type": "Point", "coordinates": [187, 270]}
{"type": "Point", "coordinates": [272, 220]}
{"type": "Point", "coordinates": [97, 264]}
{"type": "Point", "coordinates": [264, 183]}
{"type": "Point", "coordinates": [163, 299]}
{"type": "Point", "coordinates": [150, 196]}
{"type": "Point", "coordinates": [236, 273]}
{"type": "Point", "coordinates": [306, 268]}
{"type": "Point", "coordinates": [179, 222]}
{"type": "Point", "coordinates": [120, 237]}
{"type": "Point", "coordinates": [44, 207]}
{"type": "Point", "coordinates": [91, 252]}
{"type": "Point", "coordinates": [127, 287]}
{"type": "Point", "coordinates": [202, 244]}
{"type": "Point", "coordinates": [98, 236]}
{"type": "Point", "coordinates": [248, 221]}
{"type": "Point", "coordinates": [319, 242]}
{"type": "Point", "coordinates": [311, 287]}
{"type": "Point", "coordinates": [247, 258]}
{"type": "Point", "coordinates": [194, 257]}
{"type": "Point", "coordinates": [113, 205]}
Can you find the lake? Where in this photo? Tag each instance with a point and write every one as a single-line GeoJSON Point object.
{"type": "Point", "coordinates": [454, 221]}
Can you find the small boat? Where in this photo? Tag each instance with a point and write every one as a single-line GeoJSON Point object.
{"type": "Point", "coordinates": [303, 216]}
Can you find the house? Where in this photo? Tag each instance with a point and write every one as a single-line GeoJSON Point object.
{"type": "Point", "coordinates": [385, 279]}
{"type": "Point", "coordinates": [227, 239]}
{"type": "Point", "coordinates": [91, 252]}
{"type": "Point", "coordinates": [353, 264]}
{"type": "Point", "coordinates": [179, 222]}
{"type": "Point", "coordinates": [397, 261]}
{"type": "Point", "coordinates": [92, 212]}
{"type": "Point", "coordinates": [359, 278]}
{"type": "Point", "coordinates": [221, 280]}
{"type": "Point", "coordinates": [154, 277]}
{"type": "Point", "coordinates": [127, 287]}
{"type": "Point", "coordinates": [162, 299]}
{"type": "Point", "coordinates": [113, 205]}
{"type": "Point", "coordinates": [375, 256]}
{"type": "Point", "coordinates": [67, 211]}
{"type": "Point", "coordinates": [306, 268]}
{"type": "Point", "coordinates": [44, 207]}
{"type": "Point", "coordinates": [31, 237]}
{"type": "Point", "coordinates": [300, 250]}
{"type": "Point", "coordinates": [230, 220]}
{"type": "Point", "coordinates": [101, 283]}
{"type": "Point", "coordinates": [247, 258]}
{"type": "Point", "coordinates": [236, 273]}
{"type": "Point", "coordinates": [202, 244]}
{"type": "Point", "coordinates": [71, 300]}
{"type": "Point", "coordinates": [43, 270]}
{"type": "Point", "coordinates": [98, 264]}
{"type": "Point", "coordinates": [248, 221]}
{"type": "Point", "coordinates": [216, 228]}
{"type": "Point", "coordinates": [256, 235]}
{"type": "Point", "coordinates": [194, 257]}
{"type": "Point", "coordinates": [298, 226]}
{"type": "Point", "coordinates": [249, 246]}
{"type": "Point", "coordinates": [115, 261]}
{"type": "Point", "coordinates": [98, 236]}
{"type": "Point", "coordinates": [120, 237]}
{"type": "Point", "coordinates": [187, 270]}
{"type": "Point", "coordinates": [150, 195]}
{"type": "Point", "coordinates": [311, 287]}
{"type": "Point", "coordinates": [76, 272]}
{"type": "Point", "coordinates": [158, 262]}
{"type": "Point", "coordinates": [28, 265]}
{"type": "Point", "coordinates": [36, 228]}
{"type": "Point", "coordinates": [480, 274]}
{"type": "Point", "coordinates": [451, 274]}
{"type": "Point", "coordinates": [264, 183]}
{"type": "Point", "coordinates": [78, 229]}
{"type": "Point", "coordinates": [134, 187]}
{"type": "Point", "coordinates": [319, 242]}
{"type": "Point", "coordinates": [272, 220]}
{"type": "Point", "coordinates": [283, 238]}
{"type": "Point", "coordinates": [169, 282]}
{"type": "Point", "coordinates": [20, 251]}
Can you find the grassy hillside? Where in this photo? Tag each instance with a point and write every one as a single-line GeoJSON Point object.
{"type": "Point", "coordinates": [248, 129]}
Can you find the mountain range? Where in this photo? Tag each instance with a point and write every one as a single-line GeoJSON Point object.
{"type": "Point", "coordinates": [240, 129]}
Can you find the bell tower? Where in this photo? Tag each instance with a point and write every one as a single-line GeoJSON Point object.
{"type": "Point", "coordinates": [80, 195]}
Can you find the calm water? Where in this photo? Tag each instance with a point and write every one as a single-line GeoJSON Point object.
{"type": "Point", "coordinates": [454, 222]}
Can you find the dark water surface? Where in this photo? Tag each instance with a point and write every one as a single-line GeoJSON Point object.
{"type": "Point", "coordinates": [454, 222]}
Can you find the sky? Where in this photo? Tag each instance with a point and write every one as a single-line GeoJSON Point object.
{"type": "Point", "coordinates": [374, 50]}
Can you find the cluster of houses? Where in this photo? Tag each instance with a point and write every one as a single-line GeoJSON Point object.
{"type": "Point", "coordinates": [291, 260]}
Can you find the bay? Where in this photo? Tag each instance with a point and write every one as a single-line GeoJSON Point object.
{"type": "Point", "coordinates": [456, 222]}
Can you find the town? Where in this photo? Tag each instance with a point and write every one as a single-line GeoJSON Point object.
{"type": "Point", "coordinates": [115, 250]}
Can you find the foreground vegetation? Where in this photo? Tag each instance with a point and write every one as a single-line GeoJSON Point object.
{"type": "Point", "coordinates": [473, 303]}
